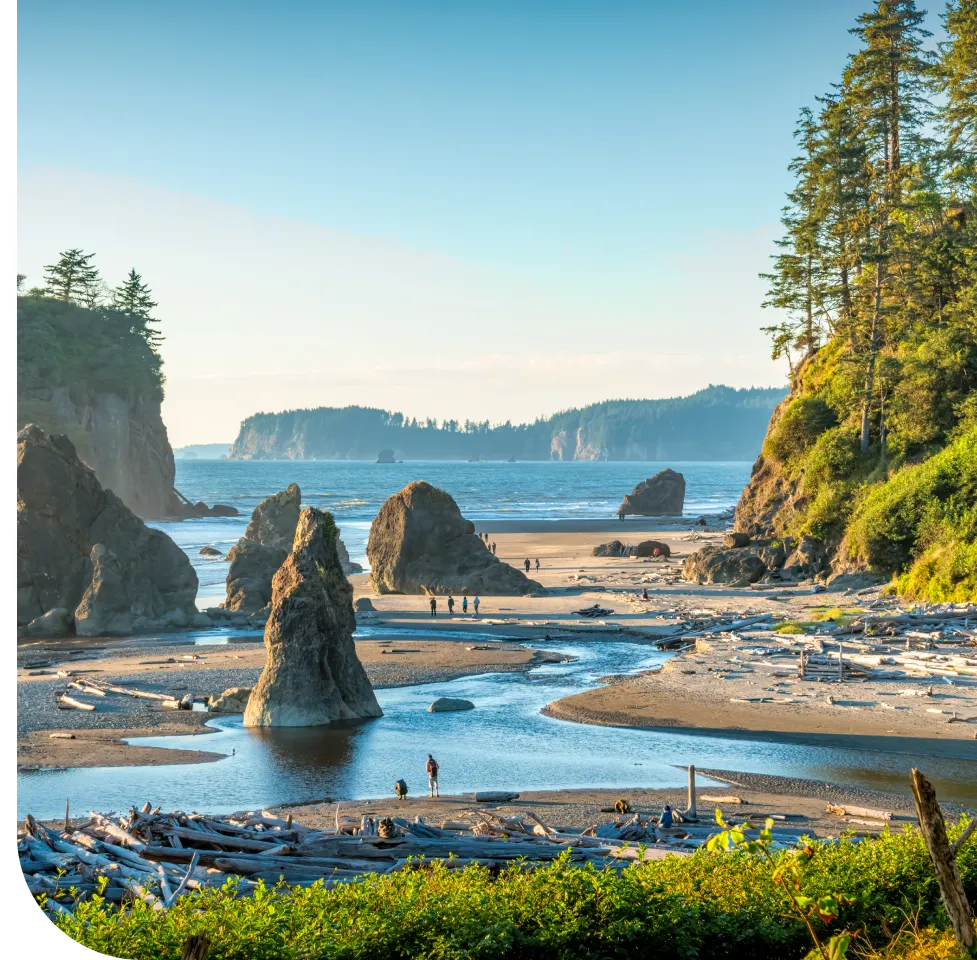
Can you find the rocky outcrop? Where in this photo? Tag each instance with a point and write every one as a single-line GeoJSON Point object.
{"type": "Point", "coordinates": [80, 548]}
{"type": "Point", "coordinates": [652, 548]}
{"type": "Point", "coordinates": [420, 543]}
{"type": "Point", "coordinates": [262, 550]}
{"type": "Point", "coordinates": [715, 564]}
{"type": "Point", "coordinates": [349, 567]}
{"type": "Point", "coordinates": [232, 700]}
{"type": "Point", "coordinates": [660, 496]}
{"type": "Point", "coordinates": [808, 559]}
{"type": "Point", "coordinates": [312, 675]}
{"type": "Point", "coordinates": [450, 705]}
{"type": "Point", "coordinates": [613, 548]}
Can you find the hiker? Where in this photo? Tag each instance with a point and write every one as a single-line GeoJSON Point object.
{"type": "Point", "coordinates": [537, 564]}
{"type": "Point", "coordinates": [432, 775]}
{"type": "Point", "coordinates": [451, 606]}
{"type": "Point", "coordinates": [464, 605]}
{"type": "Point", "coordinates": [527, 566]}
{"type": "Point", "coordinates": [434, 606]}
{"type": "Point", "coordinates": [475, 603]}
{"type": "Point", "coordinates": [665, 820]}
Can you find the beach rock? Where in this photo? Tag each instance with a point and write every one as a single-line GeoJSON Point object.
{"type": "Point", "coordinates": [612, 549]}
{"type": "Point", "coordinates": [715, 564]}
{"type": "Point", "coordinates": [57, 622]}
{"type": "Point", "coordinates": [662, 495]}
{"type": "Point", "coordinates": [364, 605]}
{"type": "Point", "coordinates": [774, 553]}
{"type": "Point", "coordinates": [852, 582]}
{"type": "Point", "coordinates": [420, 543]}
{"type": "Point", "coordinates": [81, 548]}
{"type": "Point", "coordinates": [349, 567]}
{"type": "Point", "coordinates": [312, 675]}
{"type": "Point", "coordinates": [201, 621]}
{"type": "Point", "coordinates": [232, 700]}
{"type": "Point", "coordinates": [736, 540]}
{"type": "Point", "coordinates": [209, 552]}
{"type": "Point", "coordinates": [450, 705]}
{"type": "Point", "coordinates": [652, 548]}
{"type": "Point", "coordinates": [262, 550]}
{"type": "Point", "coordinates": [223, 510]}
{"type": "Point", "coordinates": [808, 559]}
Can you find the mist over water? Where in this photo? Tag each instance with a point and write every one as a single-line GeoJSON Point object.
{"type": "Point", "coordinates": [355, 490]}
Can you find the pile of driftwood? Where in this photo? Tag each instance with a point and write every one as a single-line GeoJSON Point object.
{"type": "Point", "coordinates": [67, 699]}
{"type": "Point", "coordinates": [156, 857]}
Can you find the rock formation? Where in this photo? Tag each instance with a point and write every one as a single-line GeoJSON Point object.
{"type": "Point", "coordinates": [420, 543]}
{"type": "Point", "coordinates": [613, 548]}
{"type": "Point", "coordinates": [715, 564]}
{"type": "Point", "coordinates": [81, 549]}
{"type": "Point", "coordinates": [450, 705]}
{"type": "Point", "coordinates": [646, 548]}
{"type": "Point", "coordinates": [312, 675]}
{"type": "Point", "coordinates": [232, 700]}
{"type": "Point", "coordinates": [652, 548]}
{"type": "Point", "coordinates": [660, 496]}
{"type": "Point", "coordinates": [263, 549]}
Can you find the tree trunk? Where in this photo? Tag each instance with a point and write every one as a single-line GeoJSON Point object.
{"type": "Point", "coordinates": [947, 874]}
{"type": "Point", "coordinates": [873, 346]}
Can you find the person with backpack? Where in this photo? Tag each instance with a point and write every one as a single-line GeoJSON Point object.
{"type": "Point", "coordinates": [432, 768]}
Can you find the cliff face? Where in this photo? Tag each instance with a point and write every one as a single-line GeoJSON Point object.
{"type": "Point", "coordinates": [123, 441]}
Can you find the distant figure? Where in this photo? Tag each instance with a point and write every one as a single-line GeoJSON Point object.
{"type": "Point", "coordinates": [644, 594]}
{"type": "Point", "coordinates": [620, 515]}
{"type": "Point", "coordinates": [434, 606]}
{"type": "Point", "coordinates": [400, 789]}
{"type": "Point", "coordinates": [537, 564]}
{"type": "Point", "coordinates": [665, 820]}
{"type": "Point", "coordinates": [475, 603]}
{"type": "Point", "coordinates": [527, 565]}
{"type": "Point", "coordinates": [451, 606]}
{"type": "Point", "coordinates": [493, 548]}
{"type": "Point", "coordinates": [432, 775]}
{"type": "Point", "coordinates": [464, 605]}
{"type": "Point", "coordinates": [622, 807]}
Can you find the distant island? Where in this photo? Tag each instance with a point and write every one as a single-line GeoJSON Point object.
{"type": "Point", "coordinates": [717, 423]}
{"type": "Point", "coordinates": [202, 451]}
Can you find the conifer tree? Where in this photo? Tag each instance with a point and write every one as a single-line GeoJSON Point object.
{"type": "Point", "coordinates": [134, 300]}
{"type": "Point", "coordinates": [73, 277]}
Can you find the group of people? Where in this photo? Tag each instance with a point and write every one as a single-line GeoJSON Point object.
{"type": "Point", "coordinates": [489, 546]}
{"type": "Point", "coordinates": [451, 605]}
{"type": "Point", "coordinates": [527, 565]}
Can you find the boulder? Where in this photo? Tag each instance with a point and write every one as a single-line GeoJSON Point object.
{"type": "Point", "coordinates": [262, 550]}
{"type": "Point", "coordinates": [808, 559]}
{"type": "Point", "coordinates": [223, 510]}
{"type": "Point", "coordinates": [774, 553]}
{"type": "Point", "coordinates": [652, 548]}
{"type": "Point", "coordinates": [349, 567]}
{"type": "Point", "coordinates": [79, 547]}
{"type": "Point", "coordinates": [364, 605]}
{"type": "Point", "coordinates": [613, 549]}
{"type": "Point", "coordinates": [232, 700]}
{"type": "Point", "coordinates": [450, 705]}
{"type": "Point", "coordinates": [662, 495]}
{"type": "Point", "coordinates": [312, 675]}
{"type": "Point", "coordinates": [57, 622]}
{"type": "Point", "coordinates": [420, 543]}
{"type": "Point", "coordinates": [210, 552]}
{"type": "Point", "coordinates": [736, 540]}
{"type": "Point", "coordinates": [715, 564]}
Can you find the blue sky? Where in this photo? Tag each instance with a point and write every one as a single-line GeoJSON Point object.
{"type": "Point", "coordinates": [620, 167]}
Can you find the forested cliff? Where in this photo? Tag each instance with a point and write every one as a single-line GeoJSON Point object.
{"type": "Point", "coordinates": [875, 450]}
{"type": "Point", "coordinates": [718, 423]}
{"type": "Point", "coordinates": [88, 367]}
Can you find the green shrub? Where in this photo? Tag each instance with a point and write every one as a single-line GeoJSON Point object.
{"type": "Point", "coordinates": [944, 573]}
{"type": "Point", "coordinates": [834, 458]}
{"type": "Point", "coordinates": [704, 906]}
{"type": "Point", "coordinates": [804, 420]}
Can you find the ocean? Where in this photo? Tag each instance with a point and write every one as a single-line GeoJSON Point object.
{"type": "Point", "coordinates": [354, 491]}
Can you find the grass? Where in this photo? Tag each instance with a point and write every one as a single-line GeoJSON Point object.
{"type": "Point", "coordinates": [791, 627]}
{"type": "Point", "coordinates": [706, 907]}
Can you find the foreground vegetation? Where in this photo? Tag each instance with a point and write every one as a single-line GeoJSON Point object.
{"type": "Point", "coordinates": [709, 905]}
{"type": "Point", "coordinates": [875, 452]}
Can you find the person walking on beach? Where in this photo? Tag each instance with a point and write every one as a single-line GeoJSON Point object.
{"type": "Point", "coordinates": [527, 566]}
{"type": "Point", "coordinates": [434, 606]}
{"type": "Point", "coordinates": [537, 564]}
{"type": "Point", "coordinates": [493, 548]}
{"type": "Point", "coordinates": [432, 775]}
{"type": "Point", "coordinates": [464, 605]}
{"type": "Point", "coordinates": [451, 606]}
{"type": "Point", "coordinates": [475, 603]}
{"type": "Point", "coordinates": [620, 515]}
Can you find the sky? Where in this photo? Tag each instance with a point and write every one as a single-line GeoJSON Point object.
{"type": "Point", "coordinates": [480, 210]}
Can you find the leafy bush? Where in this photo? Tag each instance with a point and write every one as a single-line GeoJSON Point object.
{"type": "Point", "coordinates": [931, 503]}
{"type": "Point", "coordinates": [704, 906]}
{"type": "Point", "coordinates": [804, 420]}
{"type": "Point", "coordinates": [833, 459]}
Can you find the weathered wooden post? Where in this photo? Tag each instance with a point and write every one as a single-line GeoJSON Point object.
{"type": "Point", "coordinates": [67, 819]}
{"type": "Point", "coordinates": [944, 859]}
{"type": "Point", "coordinates": [690, 809]}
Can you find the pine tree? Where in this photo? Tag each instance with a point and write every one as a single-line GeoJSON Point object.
{"type": "Point", "coordinates": [73, 277]}
{"type": "Point", "coordinates": [133, 299]}
{"type": "Point", "coordinates": [957, 81]}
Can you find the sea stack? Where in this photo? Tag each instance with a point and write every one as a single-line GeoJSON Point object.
{"type": "Point", "coordinates": [312, 675]}
{"type": "Point", "coordinates": [84, 559]}
{"type": "Point", "coordinates": [663, 495]}
{"type": "Point", "coordinates": [420, 543]}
